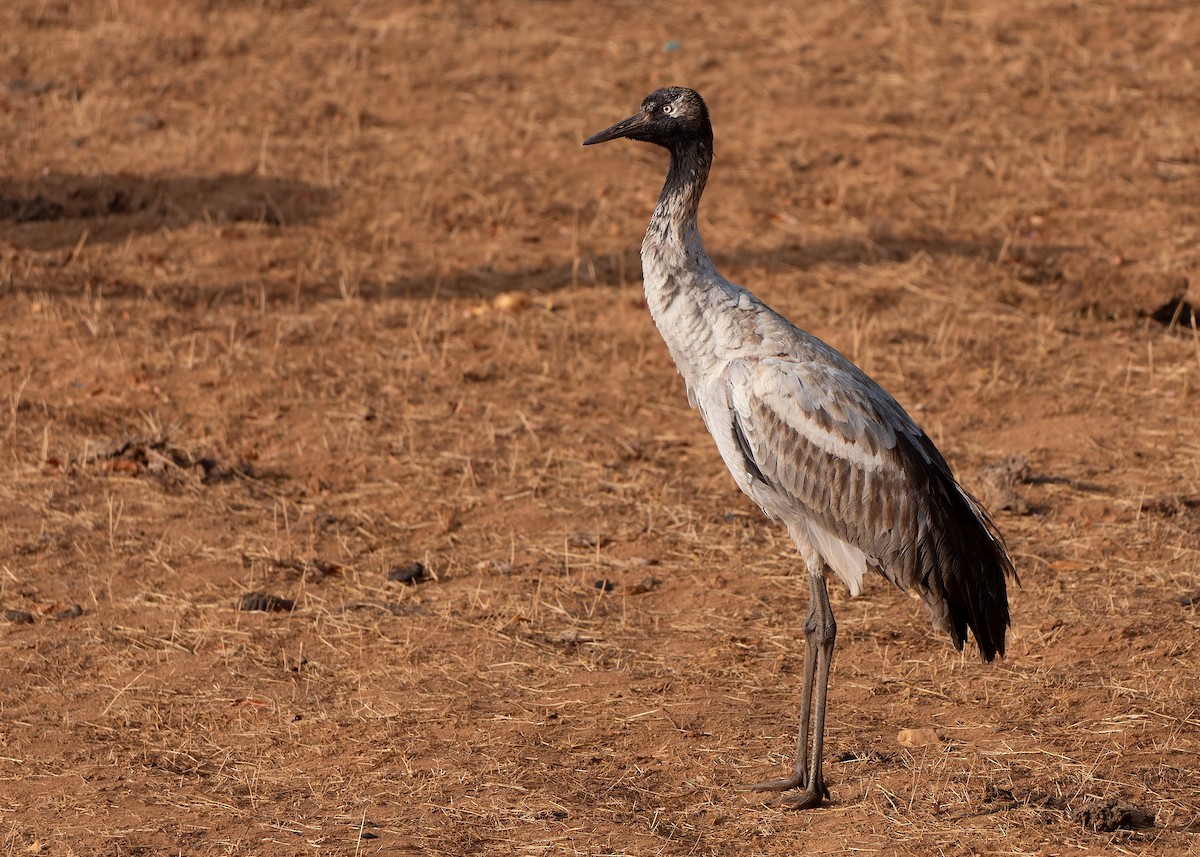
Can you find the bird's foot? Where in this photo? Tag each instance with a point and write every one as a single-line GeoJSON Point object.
{"type": "Point", "coordinates": [810, 798]}
{"type": "Point", "coordinates": [783, 784]}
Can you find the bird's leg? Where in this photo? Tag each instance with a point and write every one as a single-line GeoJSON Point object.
{"type": "Point", "coordinates": [821, 634]}
{"type": "Point", "coordinates": [799, 774]}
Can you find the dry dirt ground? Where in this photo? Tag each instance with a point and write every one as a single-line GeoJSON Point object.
{"type": "Point", "coordinates": [295, 295]}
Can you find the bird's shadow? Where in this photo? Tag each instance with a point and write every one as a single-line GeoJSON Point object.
{"type": "Point", "coordinates": [1036, 263]}
{"type": "Point", "coordinates": [57, 212]}
{"type": "Point", "coordinates": [52, 211]}
{"type": "Point", "coordinates": [1036, 260]}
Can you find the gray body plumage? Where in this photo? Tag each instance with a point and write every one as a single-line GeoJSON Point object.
{"type": "Point", "coordinates": [808, 436]}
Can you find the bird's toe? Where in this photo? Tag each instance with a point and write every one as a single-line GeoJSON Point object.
{"type": "Point", "coordinates": [807, 799]}
{"type": "Point", "coordinates": [783, 784]}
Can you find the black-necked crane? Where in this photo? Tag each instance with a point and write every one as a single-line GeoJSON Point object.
{"type": "Point", "coordinates": [810, 438]}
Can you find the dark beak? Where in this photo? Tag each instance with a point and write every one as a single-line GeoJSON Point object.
{"type": "Point", "coordinates": [625, 128]}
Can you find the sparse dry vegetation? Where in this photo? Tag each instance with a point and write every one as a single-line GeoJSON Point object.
{"type": "Point", "coordinates": [294, 294]}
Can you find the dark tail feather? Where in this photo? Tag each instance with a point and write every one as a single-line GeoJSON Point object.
{"type": "Point", "coordinates": [959, 563]}
{"type": "Point", "coordinates": [973, 567]}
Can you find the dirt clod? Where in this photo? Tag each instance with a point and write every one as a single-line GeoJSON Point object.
{"type": "Point", "coordinates": [313, 569]}
{"type": "Point", "coordinates": [1177, 313]}
{"type": "Point", "coordinates": [265, 602]}
{"type": "Point", "coordinates": [876, 756]}
{"type": "Point", "coordinates": [590, 540]}
{"type": "Point", "coordinates": [646, 584]}
{"type": "Point", "coordinates": [18, 617]}
{"type": "Point", "coordinates": [1105, 817]}
{"type": "Point", "coordinates": [149, 121]}
{"type": "Point", "coordinates": [29, 210]}
{"type": "Point", "coordinates": [26, 86]}
{"type": "Point", "coordinates": [72, 612]}
{"type": "Point", "coordinates": [409, 574]}
{"type": "Point", "coordinates": [1001, 485]}
{"type": "Point", "coordinates": [166, 461]}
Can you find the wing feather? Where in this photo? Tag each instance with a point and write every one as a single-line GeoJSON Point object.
{"type": "Point", "coordinates": [832, 451]}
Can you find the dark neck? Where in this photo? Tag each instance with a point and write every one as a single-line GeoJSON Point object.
{"type": "Point", "coordinates": [680, 198]}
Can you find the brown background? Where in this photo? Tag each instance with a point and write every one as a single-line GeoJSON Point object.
{"type": "Point", "coordinates": [293, 294]}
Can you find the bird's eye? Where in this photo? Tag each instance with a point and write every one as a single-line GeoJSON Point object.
{"type": "Point", "coordinates": [668, 109]}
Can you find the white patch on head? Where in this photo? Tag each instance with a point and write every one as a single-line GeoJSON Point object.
{"type": "Point", "coordinates": [673, 108]}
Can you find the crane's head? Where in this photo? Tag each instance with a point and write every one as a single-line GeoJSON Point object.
{"type": "Point", "coordinates": [671, 118]}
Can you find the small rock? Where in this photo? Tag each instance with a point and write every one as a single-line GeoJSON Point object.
{"type": "Point", "coordinates": [265, 602]}
{"type": "Point", "coordinates": [920, 737]}
{"type": "Point", "coordinates": [18, 617]}
{"type": "Point", "coordinates": [73, 612]}
{"type": "Point", "coordinates": [507, 302]}
{"type": "Point", "coordinates": [411, 575]}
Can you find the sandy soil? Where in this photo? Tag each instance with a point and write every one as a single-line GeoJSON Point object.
{"type": "Point", "coordinates": [295, 295]}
